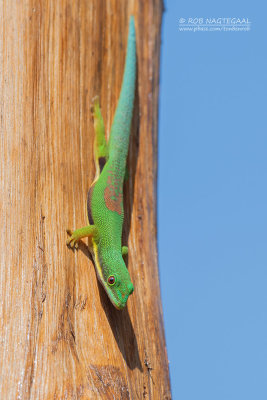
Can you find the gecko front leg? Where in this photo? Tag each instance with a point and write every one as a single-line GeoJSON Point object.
{"type": "Point", "coordinates": [87, 231]}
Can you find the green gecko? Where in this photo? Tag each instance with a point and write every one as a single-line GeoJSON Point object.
{"type": "Point", "coordinates": [105, 197]}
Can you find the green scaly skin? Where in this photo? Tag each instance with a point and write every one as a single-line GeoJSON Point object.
{"type": "Point", "coordinates": [105, 197]}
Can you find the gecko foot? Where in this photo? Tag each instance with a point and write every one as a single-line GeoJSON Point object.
{"type": "Point", "coordinates": [94, 104]}
{"type": "Point", "coordinates": [72, 240]}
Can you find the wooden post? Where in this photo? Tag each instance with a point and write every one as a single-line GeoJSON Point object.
{"type": "Point", "coordinates": [60, 336]}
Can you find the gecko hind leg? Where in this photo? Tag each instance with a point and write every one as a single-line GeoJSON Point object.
{"type": "Point", "coordinates": [100, 144]}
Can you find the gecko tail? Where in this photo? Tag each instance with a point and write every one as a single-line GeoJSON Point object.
{"type": "Point", "coordinates": [120, 130]}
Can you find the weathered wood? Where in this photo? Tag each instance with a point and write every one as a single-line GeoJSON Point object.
{"type": "Point", "coordinates": [60, 336]}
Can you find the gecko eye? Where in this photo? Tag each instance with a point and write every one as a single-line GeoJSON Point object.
{"type": "Point", "coordinates": [111, 280]}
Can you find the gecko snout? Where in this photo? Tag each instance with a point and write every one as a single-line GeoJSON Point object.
{"type": "Point", "coordinates": [130, 287]}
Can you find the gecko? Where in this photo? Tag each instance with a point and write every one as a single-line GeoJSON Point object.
{"type": "Point", "coordinates": [105, 210]}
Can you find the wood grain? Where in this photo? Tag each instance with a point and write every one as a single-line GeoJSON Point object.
{"type": "Point", "coordinates": [60, 336]}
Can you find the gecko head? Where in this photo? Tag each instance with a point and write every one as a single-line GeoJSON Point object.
{"type": "Point", "coordinates": [116, 281]}
{"type": "Point", "coordinates": [119, 287]}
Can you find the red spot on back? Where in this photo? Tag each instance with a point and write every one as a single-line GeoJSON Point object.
{"type": "Point", "coordinates": [113, 202]}
{"type": "Point", "coordinates": [113, 191]}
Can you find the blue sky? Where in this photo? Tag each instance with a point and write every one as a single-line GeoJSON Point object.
{"type": "Point", "coordinates": [212, 202]}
